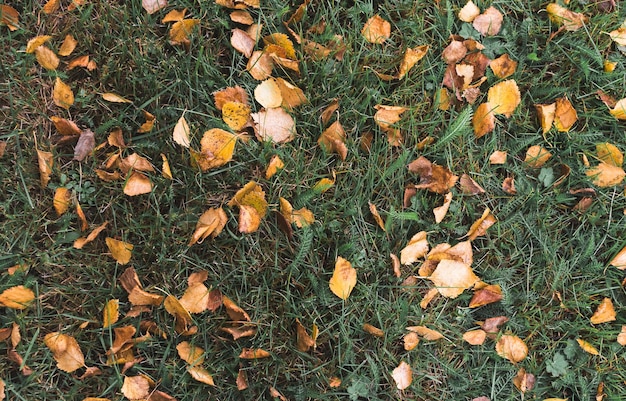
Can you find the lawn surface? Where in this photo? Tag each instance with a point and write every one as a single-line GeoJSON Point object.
{"type": "Point", "coordinates": [550, 260]}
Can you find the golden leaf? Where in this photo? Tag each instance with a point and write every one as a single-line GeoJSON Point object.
{"type": "Point", "coordinates": [376, 30]}
{"type": "Point", "coordinates": [537, 156]}
{"type": "Point", "coordinates": [212, 222]}
{"type": "Point", "coordinates": [180, 31]}
{"type": "Point", "coordinates": [137, 184]}
{"type": "Point", "coordinates": [610, 154]}
{"type": "Point", "coordinates": [480, 226]}
{"type": "Point", "coordinates": [149, 124]}
{"type": "Point", "coordinates": [46, 58]}
{"type": "Point", "coordinates": [426, 333]}
{"type": "Point", "coordinates": [469, 12]}
{"type": "Point", "coordinates": [503, 66]}
{"type": "Point", "coordinates": [489, 22]}
{"type": "Point", "coordinates": [34, 43]}
{"type": "Point", "coordinates": [196, 298]}
{"type": "Point", "coordinates": [291, 94]}
{"type": "Point", "coordinates": [217, 148]}
{"type": "Point", "coordinates": [402, 375]}
{"type": "Point", "coordinates": [587, 347]}
{"type": "Point", "coordinates": [181, 132]}
{"type": "Point", "coordinates": [201, 374]}
{"type": "Point", "coordinates": [236, 115]}
{"type": "Point", "coordinates": [475, 337]}
{"type": "Point", "coordinates": [546, 114]}
{"type": "Point", "coordinates": [9, 17]}
{"type": "Point", "coordinates": [253, 353]}
{"type": "Point", "coordinates": [565, 115]}
{"type": "Point", "coordinates": [411, 340]}
{"type": "Point", "coordinates": [235, 312]}
{"type": "Point", "coordinates": [120, 251]}
{"type": "Point", "coordinates": [136, 295]}
{"type": "Point", "coordinates": [111, 313]}
{"type": "Point", "coordinates": [373, 330]}
{"type": "Point", "coordinates": [511, 347]}
{"type": "Point", "coordinates": [274, 165]}
{"type": "Point", "coordinates": [604, 313]}
{"type": "Point", "coordinates": [415, 249]}
{"type": "Point", "coordinates": [302, 217]}
{"type": "Point", "coordinates": [498, 157]}
{"type": "Point", "coordinates": [136, 387]}
{"type": "Point", "coordinates": [62, 94]}
{"type": "Point", "coordinates": [174, 16]}
{"type": "Point", "coordinates": [68, 46]}
{"type": "Point", "coordinates": [189, 353]}
{"type": "Point", "coordinates": [181, 315]}
{"type": "Point", "coordinates": [274, 125]}
{"type": "Point", "coordinates": [115, 98]}
{"type": "Point", "coordinates": [64, 126]}
{"type": "Point", "coordinates": [333, 140]}
{"type": "Point", "coordinates": [572, 21]}
{"type": "Point", "coordinates": [451, 278]}
{"type": "Point", "coordinates": [81, 242]}
{"type": "Point", "coordinates": [166, 171]}
{"type": "Point", "coordinates": [377, 218]}
{"type": "Point", "coordinates": [46, 161]}
{"type": "Point", "coordinates": [504, 97]}
{"type": "Point", "coordinates": [411, 57]}
{"type": "Point", "coordinates": [18, 297]}
{"type": "Point", "coordinates": [344, 278]}
{"type": "Point", "coordinates": [281, 40]}
{"type": "Point", "coordinates": [62, 200]}
{"type": "Point", "coordinates": [65, 350]}
{"type": "Point", "coordinates": [484, 120]}
{"type": "Point", "coordinates": [606, 175]}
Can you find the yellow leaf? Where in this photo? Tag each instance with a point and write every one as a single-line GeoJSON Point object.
{"type": "Point", "coordinates": [504, 97]}
{"type": "Point", "coordinates": [291, 94]}
{"type": "Point", "coordinates": [180, 30]}
{"type": "Point", "coordinates": [572, 21]}
{"type": "Point", "coordinates": [475, 337]}
{"type": "Point", "coordinates": [604, 313]}
{"type": "Point", "coordinates": [137, 184]}
{"type": "Point", "coordinates": [174, 16]}
{"type": "Point", "coordinates": [201, 374]}
{"type": "Point", "coordinates": [62, 200]}
{"type": "Point", "coordinates": [565, 115]}
{"type": "Point", "coordinates": [136, 387]}
{"type": "Point", "coordinates": [46, 58]}
{"type": "Point", "coordinates": [484, 120]}
{"type": "Point", "coordinates": [181, 315]}
{"type": "Point", "coordinates": [546, 113]}
{"type": "Point", "coordinates": [415, 249]}
{"type": "Point", "coordinates": [120, 251]}
{"type": "Point", "coordinates": [236, 115]}
{"type": "Point", "coordinates": [68, 45]}
{"type": "Point", "coordinates": [323, 185]}
{"type": "Point", "coordinates": [451, 278]}
{"type": "Point", "coordinates": [65, 350]}
{"type": "Point", "coordinates": [275, 164]}
{"type": "Point", "coordinates": [35, 42]}
{"type": "Point", "coordinates": [189, 353]}
{"type": "Point", "coordinates": [469, 12]}
{"type": "Point", "coordinates": [411, 57]}
{"type": "Point", "coordinates": [302, 217]}
{"type": "Point", "coordinates": [274, 125]}
{"type": "Point", "coordinates": [111, 313]}
{"type": "Point", "coordinates": [212, 222]}
{"type": "Point", "coordinates": [333, 140]}
{"type": "Point", "coordinates": [344, 278]}
{"type": "Point", "coordinates": [166, 171]}
{"type": "Point", "coordinates": [149, 124]}
{"type": "Point", "coordinates": [62, 94]}
{"type": "Point", "coordinates": [537, 156]}
{"type": "Point", "coordinates": [282, 41]}
{"type": "Point", "coordinates": [587, 347]}
{"type": "Point", "coordinates": [610, 154]}
{"type": "Point", "coordinates": [402, 375]}
{"type": "Point", "coordinates": [376, 30]}
{"type": "Point", "coordinates": [217, 148]}
{"type": "Point", "coordinates": [18, 297]}
{"type": "Point", "coordinates": [606, 175]}
{"type": "Point", "coordinates": [511, 347]}
{"type": "Point", "coordinates": [426, 333]}
{"type": "Point", "coordinates": [377, 218]}
{"type": "Point", "coordinates": [181, 132]}
{"type": "Point", "coordinates": [64, 126]}
{"type": "Point", "coordinates": [503, 66]}
{"type": "Point", "coordinates": [253, 353]}
{"type": "Point", "coordinates": [115, 98]}
{"type": "Point", "coordinates": [481, 225]}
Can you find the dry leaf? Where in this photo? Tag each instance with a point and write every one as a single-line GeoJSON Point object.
{"type": "Point", "coordinates": [260, 65]}
{"type": "Point", "coordinates": [9, 17]}
{"type": "Point", "coordinates": [386, 117]}
{"type": "Point", "coordinates": [604, 313]}
{"type": "Point", "coordinates": [254, 353]}
{"type": "Point", "coordinates": [302, 217]}
{"type": "Point", "coordinates": [492, 325]}
{"type": "Point", "coordinates": [212, 222]}
{"type": "Point", "coordinates": [196, 298]}
{"type": "Point", "coordinates": [489, 22]}
{"type": "Point", "coordinates": [415, 249]}
{"type": "Point", "coordinates": [65, 350]}
{"type": "Point", "coordinates": [411, 340]}
{"type": "Point", "coordinates": [484, 120]}
{"type": "Point", "coordinates": [304, 341]}
{"type": "Point", "coordinates": [411, 57]}
{"type": "Point", "coordinates": [433, 177]}
{"type": "Point", "coordinates": [68, 46]}
{"type": "Point", "coordinates": [241, 17]}
{"type": "Point", "coordinates": [480, 226]}
{"type": "Point", "coordinates": [451, 278]}
{"type": "Point", "coordinates": [498, 157]}
{"type": "Point", "coordinates": [441, 211]}
{"type": "Point", "coordinates": [621, 337]}
{"type": "Point", "coordinates": [174, 16]}
{"type": "Point", "coordinates": [120, 251]}
{"type": "Point", "coordinates": [511, 347]}
{"type": "Point", "coordinates": [373, 330]}
{"type": "Point", "coordinates": [18, 297]}
{"type": "Point", "coordinates": [236, 313]}
{"type": "Point", "coordinates": [166, 171]}
{"type": "Point", "coordinates": [152, 6]}
{"type": "Point", "coordinates": [64, 126]}
{"type": "Point", "coordinates": [137, 184]}
{"type": "Point", "coordinates": [329, 111]}
{"type": "Point", "coordinates": [111, 313]}
{"type": "Point", "coordinates": [619, 36]}
{"type": "Point", "coordinates": [136, 387]}
{"type": "Point", "coordinates": [570, 20]}
{"type": "Point", "coordinates": [46, 58]}
{"type": "Point", "coordinates": [537, 156]}
{"type": "Point", "coordinates": [116, 138]}
{"type": "Point", "coordinates": [469, 12]}
{"type": "Point", "coordinates": [181, 315]}
{"type": "Point", "coordinates": [402, 375]}
{"type": "Point", "coordinates": [426, 333]}
{"type": "Point", "coordinates": [565, 115]}
{"type": "Point", "coordinates": [333, 140]}
{"type": "Point", "coordinates": [379, 220]}
{"type": "Point", "coordinates": [189, 353]}
{"type": "Point", "coordinates": [376, 30]}
{"type": "Point", "coordinates": [62, 200]}
{"type": "Point", "coordinates": [291, 94]}
{"type": "Point", "coordinates": [274, 125]}
{"type": "Point", "coordinates": [34, 43]}
{"type": "Point", "coordinates": [252, 206]}
{"type": "Point", "coordinates": [115, 98]}
{"type": "Point", "coordinates": [344, 278]}
{"type": "Point", "coordinates": [231, 94]}
{"type": "Point", "coordinates": [136, 295]}
{"type": "Point", "coordinates": [606, 175]}
{"type": "Point", "coordinates": [84, 225]}
{"type": "Point", "coordinates": [181, 132]}
{"type": "Point", "coordinates": [396, 265]}
{"type": "Point", "coordinates": [619, 260]}
{"type": "Point", "coordinates": [274, 165]}
{"type": "Point", "coordinates": [180, 31]}
{"type": "Point", "coordinates": [268, 94]}
{"type": "Point", "coordinates": [200, 374]}
{"type": "Point", "coordinates": [486, 295]}
{"type": "Point", "coordinates": [546, 113]}
{"type": "Point", "coordinates": [609, 66]}
{"type": "Point", "coordinates": [45, 161]}
{"type": "Point", "coordinates": [503, 66]}
{"type": "Point", "coordinates": [217, 148]}
{"type": "Point", "coordinates": [587, 347]}
{"type": "Point", "coordinates": [504, 97]}
{"type": "Point", "coordinates": [236, 115]}
{"type": "Point", "coordinates": [84, 146]}
{"type": "Point", "coordinates": [242, 42]}
{"type": "Point", "coordinates": [524, 381]}
{"type": "Point", "coordinates": [149, 124]}
{"type": "Point", "coordinates": [283, 47]}
{"type": "Point", "coordinates": [62, 94]}
{"type": "Point", "coordinates": [610, 154]}
{"type": "Point", "coordinates": [469, 186]}
{"type": "Point", "coordinates": [81, 242]}
{"type": "Point", "coordinates": [475, 337]}
{"type": "Point", "coordinates": [242, 380]}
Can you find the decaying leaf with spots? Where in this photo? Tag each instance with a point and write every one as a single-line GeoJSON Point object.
{"type": "Point", "coordinates": [65, 350]}
{"type": "Point", "coordinates": [216, 149]}
{"type": "Point", "coordinates": [85, 145]}
{"type": "Point", "coordinates": [211, 222]}
{"type": "Point", "coordinates": [570, 20]}
{"type": "Point", "coordinates": [62, 94]}
{"type": "Point", "coordinates": [486, 294]}
{"type": "Point", "coordinates": [565, 115]}
{"type": "Point", "coordinates": [344, 278]}
{"type": "Point", "coordinates": [252, 207]}
{"type": "Point", "coordinates": [433, 177]}
{"type": "Point", "coordinates": [503, 66]}
{"type": "Point", "coordinates": [302, 217]}
{"type": "Point", "coordinates": [236, 115]}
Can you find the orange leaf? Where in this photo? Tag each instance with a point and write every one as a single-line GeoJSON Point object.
{"type": "Point", "coordinates": [481, 225]}
{"type": "Point", "coordinates": [606, 175]}
{"type": "Point", "coordinates": [120, 251]}
{"type": "Point", "coordinates": [9, 17]}
{"type": "Point", "coordinates": [253, 353]}
{"type": "Point", "coordinates": [475, 337]}
{"type": "Point", "coordinates": [411, 340]}
{"type": "Point", "coordinates": [65, 350]}
{"type": "Point", "coordinates": [433, 177]}
{"type": "Point", "coordinates": [46, 161]}
{"type": "Point", "coordinates": [546, 113]}
{"type": "Point", "coordinates": [180, 30]}
{"type": "Point", "coordinates": [235, 312]}
{"type": "Point", "coordinates": [621, 337]}
{"type": "Point", "coordinates": [377, 218]}
{"type": "Point", "coordinates": [373, 330]}
{"type": "Point", "coordinates": [68, 45]}
{"type": "Point", "coordinates": [212, 222]}
{"type": "Point", "coordinates": [260, 65]}
{"type": "Point", "coordinates": [402, 375]}
{"type": "Point", "coordinates": [486, 295]}
{"type": "Point", "coordinates": [181, 315]}
{"type": "Point", "coordinates": [62, 200]}
{"type": "Point", "coordinates": [524, 381]}
{"type": "Point", "coordinates": [81, 242]}
{"type": "Point", "coordinates": [604, 313]}
{"type": "Point", "coordinates": [189, 353]}
{"type": "Point", "coordinates": [333, 140]}
{"type": "Point", "coordinates": [451, 278]}
{"type": "Point", "coordinates": [196, 298]}
{"type": "Point", "coordinates": [619, 260]}
{"type": "Point", "coordinates": [411, 57]}
{"type": "Point", "coordinates": [498, 157]}
{"type": "Point", "coordinates": [283, 42]}
{"type": "Point", "coordinates": [469, 12]}
{"type": "Point", "coordinates": [503, 66]}
{"type": "Point", "coordinates": [65, 127]}
{"type": "Point", "coordinates": [18, 297]}
{"type": "Point", "coordinates": [512, 348]}
{"type": "Point", "coordinates": [303, 339]}
{"type": "Point", "coordinates": [252, 206]}
{"type": "Point", "coordinates": [344, 278]}
{"type": "Point", "coordinates": [137, 184]}
{"type": "Point", "coordinates": [426, 333]}
{"type": "Point", "coordinates": [174, 16]}
{"type": "Point", "coordinates": [46, 58]}
{"type": "Point", "coordinates": [136, 387]}
{"type": "Point", "coordinates": [274, 165]}
{"type": "Point", "coordinates": [565, 115]}
{"type": "Point", "coordinates": [62, 94]}
{"type": "Point", "coordinates": [232, 94]}
{"type": "Point", "coordinates": [115, 98]}
{"type": "Point", "coordinates": [291, 94]}
{"type": "Point", "coordinates": [201, 374]}
{"type": "Point", "coordinates": [34, 43]}
{"type": "Point", "coordinates": [376, 30]}
{"type": "Point", "coordinates": [537, 156]}
{"type": "Point", "coordinates": [484, 120]}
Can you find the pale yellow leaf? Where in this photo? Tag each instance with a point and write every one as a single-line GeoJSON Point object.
{"type": "Point", "coordinates": [511, 347]}
{"type": "Point", "coordinates": [403, 375]}
{"type": "Point", "coordinates": [344, 278]}
{"type": "Point", "coordinates": [181, 132]}
{"type": "Point", "coordinates": [65, 350]}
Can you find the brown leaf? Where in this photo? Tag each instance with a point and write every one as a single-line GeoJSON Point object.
{"type": "Point", "coordinates": [511, 347]}
{"type": "Point", "coordinates": [333, 140]}
{"type": "Point", "coordinates": [252, 206]}
{"type": "Point", "coordinates": [469, 186]}
{"type": "Point", "coordinates": [120, 251]}
{"type": "Point", "coordinates": [329, 111]}
{"type": "Point", "coordinates": [498, 157]}
{"type": "Point", "coordinates": [492, 325]}
{"type": "Point", "coordinates": [189, 353]}
{"type": "Point", "coordinates": [486, 295]}
{"type": "Point", "coordinates": [489, 22]}
{"type": "Point", "coordinates": [18, 297]}
{"type": "Point", "coordinates": [344, 278]}
{"type": "Point", "coordinates": [402, 375]}
{"type": "Point", "coordinates": [304, 341]}
{"type": "Point", "coordinates": [379, 220]}
{"type": "Point", "coordinates": [149, 124]}
{"type": "Point", "coordinates": [201, 374]}
{"type": "Point", "coordinates": [396, 265]}
{"type": "Point", "coordinates": [65, 350]}
{"type": "Point", "coordinates": [260, 65]}
{"type": "Point", "coordinates": [235, 313]}
{"type": "Point", "coordinates": [454, 52]}
{"type": "Point", "coordinates": [62, 94]}
{"type": "Point", "coordinates": [619, 260]}
{"type": "Point", "coordinates": [46, 161]}
{"type": "Point", "coordinates": [604, 313]}
{"type": "Point", "coordinates": [240, 331]}
{"type": "Point", "coordinates": [84, 146]}
{"type": "Point", "coordinates": [524, 381]}
{"type": "Point", "coordinates": [253, 353]}
{"type": "Point", "coordinates": [433, 177]}
{"type": "Point", "coordinates": [376, 30]}
{"type": "Point", "coordinates": [410, 340]}
{"type": "Point", "coordinates": [242, 380]}
{"type": "Point", "coordinates": [9, 17]}
{"type": "Point", "coordinates": [480, 226]}
{"type": "Point", "coordinates": [64, 126]}
{"type": "Point", "coordinates": [373, 330]}
{"type": "Point", "coordinates": [137, 184]}
{"type": "Point", "coordinates": [196, 298]}
{"type": "Point", "coordinates": [212, 222]}
{"type": "Point", "coordinates": [241, 17]}
{"type": "Point", "coordinates": [621, 337]}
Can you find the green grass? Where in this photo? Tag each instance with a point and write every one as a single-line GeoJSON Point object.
{"type": "Point", "coordinates": [539, 248]}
